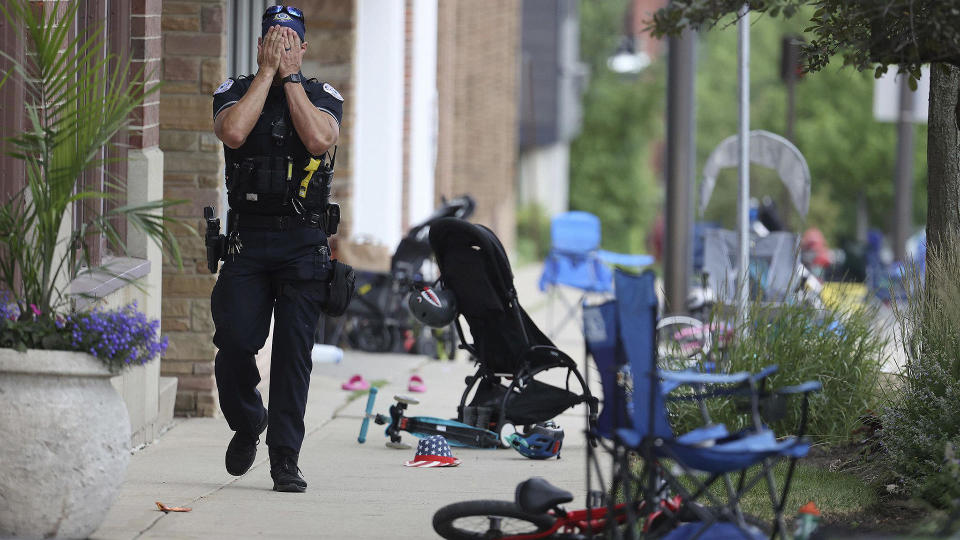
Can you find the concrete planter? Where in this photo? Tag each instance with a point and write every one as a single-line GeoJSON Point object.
{"type": "Point", "coordinates": [65, 444]}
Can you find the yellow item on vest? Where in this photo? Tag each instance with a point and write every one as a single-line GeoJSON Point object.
{"type": "Point", "coordinates": [310, 168]}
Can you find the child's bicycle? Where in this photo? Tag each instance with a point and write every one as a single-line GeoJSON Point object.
{"type": "Point", "coordinates": [536, 513]}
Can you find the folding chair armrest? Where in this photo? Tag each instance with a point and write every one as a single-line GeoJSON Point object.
{"type": "Point", "coordinates": [625, 259]}
{"type": "Point", "coordinates": [806, 388]}
{"type": "Point", "coordinates": [689, 377]}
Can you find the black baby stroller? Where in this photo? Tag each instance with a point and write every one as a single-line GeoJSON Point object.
{"type": "Point", "coordinates": [377, 319]}
{"type": "Point", "coordinates": [509, 348]}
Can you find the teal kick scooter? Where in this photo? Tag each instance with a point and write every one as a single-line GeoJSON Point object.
{"type": "Point", "coordinates": [456, 433]}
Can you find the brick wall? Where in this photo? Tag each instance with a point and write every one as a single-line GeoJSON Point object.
{"type": "Point", "coordinates": [477, 81]}
{"type": "Point", "coordinates": [194, 51]}
{"type": "Point", "coordinates": [145, 48]}
{"type": "Point", "coordinates": [407, 89]}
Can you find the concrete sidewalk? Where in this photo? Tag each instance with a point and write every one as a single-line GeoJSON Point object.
{"type": "Point", "coordinates": [355, 491]}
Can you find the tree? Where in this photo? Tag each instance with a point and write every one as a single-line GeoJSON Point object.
{"type": "Point", "coordinates": [612, 172]}
{"type": "Point", "coordinates": [867, 33]}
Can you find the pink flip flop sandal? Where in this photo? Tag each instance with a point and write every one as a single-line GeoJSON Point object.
{"type": "Point", "coordinates": [416, 384]}
{"type": "Point", "coordinates": [356, 382]}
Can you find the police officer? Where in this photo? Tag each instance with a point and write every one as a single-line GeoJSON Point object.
{"type": "Point", "coordinates": [271, 125]}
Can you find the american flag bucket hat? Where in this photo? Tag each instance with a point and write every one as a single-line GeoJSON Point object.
{"type": "Point", "coordinates": [434, 451]}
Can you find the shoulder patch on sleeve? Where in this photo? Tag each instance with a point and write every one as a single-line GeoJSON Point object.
{"type": "Point", "coordinates": [224, 87]}
{"type": "Point", "coordinates": [332, 91]}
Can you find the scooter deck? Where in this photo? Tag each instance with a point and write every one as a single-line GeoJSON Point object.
{"type": "Point", "coordinates": [456, 433]}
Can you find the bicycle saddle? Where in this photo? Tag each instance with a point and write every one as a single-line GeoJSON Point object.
{"type": "Point", "coordinates": [536, 495]}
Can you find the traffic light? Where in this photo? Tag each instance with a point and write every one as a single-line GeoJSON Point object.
{"type": "Point", "coordinates": [791, 67]}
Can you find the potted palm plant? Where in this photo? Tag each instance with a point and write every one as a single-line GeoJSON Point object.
{"type": "Point", "coordinates": [65, 430]}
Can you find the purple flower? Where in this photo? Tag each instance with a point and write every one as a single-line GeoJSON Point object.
{"type": "Point", "coordinates": [118, 337]}
{"type": "Point", "coordinates": [122, 337]}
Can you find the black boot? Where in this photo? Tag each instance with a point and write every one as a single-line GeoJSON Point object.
{"type": "Point", "coordinates": [284, 471]}
{"type": "Point", "coordinates": [242, 450]}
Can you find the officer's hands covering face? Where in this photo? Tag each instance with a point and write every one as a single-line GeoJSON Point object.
{"type": "Point", "coordinates": [292, 52]}
{"type": "Point", "coordinates": [270, 49]}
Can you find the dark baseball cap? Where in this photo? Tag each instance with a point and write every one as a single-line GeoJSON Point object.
{"type": "Point", "coordinates": [288, 16]}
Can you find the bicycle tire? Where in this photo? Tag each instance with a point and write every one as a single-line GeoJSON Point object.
{"type": "Point", "coordinates": [471, 520]}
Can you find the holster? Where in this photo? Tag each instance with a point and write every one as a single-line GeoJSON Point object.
{"type": "Point", "coordinates": [341, 288]}
{"type": "Point", "coordinates": [215, 242]}
{"type": "Point", "coordinates": [330, 219]}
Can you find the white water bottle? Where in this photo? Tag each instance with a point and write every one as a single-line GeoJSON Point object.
{"type": "Point", "coordinates": [326, 354]}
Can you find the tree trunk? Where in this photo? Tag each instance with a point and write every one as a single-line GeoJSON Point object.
{"type": "Point", "coordinates": [943, 161]}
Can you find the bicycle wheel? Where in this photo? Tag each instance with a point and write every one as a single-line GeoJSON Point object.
{"type": "Point", "coordinates": [481, 520]}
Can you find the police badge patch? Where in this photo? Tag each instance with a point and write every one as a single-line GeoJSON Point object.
{"type": "Point", "coordinates": [332, 91]}
{"type": "Point", "coordinates": [224, 87]}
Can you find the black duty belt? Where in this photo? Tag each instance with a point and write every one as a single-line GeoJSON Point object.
{"type": "Point", "coordinates": [278, 223]}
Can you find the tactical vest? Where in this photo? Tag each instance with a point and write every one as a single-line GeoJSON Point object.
{"type": "Point", "coordinates": [265, 173]}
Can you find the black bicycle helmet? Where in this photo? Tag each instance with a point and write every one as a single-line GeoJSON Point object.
{"type": "Point", "coordinates": [433, 307]}
{"type": "Point", "coordinates": [541, 442]}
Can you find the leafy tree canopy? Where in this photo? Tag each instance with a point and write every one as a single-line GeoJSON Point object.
{"type": "Point", "coordinates": [611, 161]}
{"type": "Point", "coordinates": [907, 33]}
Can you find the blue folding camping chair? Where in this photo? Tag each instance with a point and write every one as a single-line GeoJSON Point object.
{"type": "Point", "coordinates": [575, 260]}
{"type": "Point", "coordinates": [621, 337]}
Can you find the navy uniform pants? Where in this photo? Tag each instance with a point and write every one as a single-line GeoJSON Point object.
{"type": "Point", "coordinates": [283, 273]}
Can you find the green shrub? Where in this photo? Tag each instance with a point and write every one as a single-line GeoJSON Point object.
{"type": "Point", "coordinates": [925, 414]}
{"type": "Point", "coordinates": [841, 348]}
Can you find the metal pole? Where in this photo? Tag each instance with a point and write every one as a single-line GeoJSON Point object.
{"type": "Point", "coordinates": [743, 198]}
{"type": "Point", "coordinates": [903, 186]}
{"type": "Point", "coordinates": [790, 60]}
{"type": "Point", "coordinates": [681, 75]}
{"type": "Point", "coordinates": [791, 105]}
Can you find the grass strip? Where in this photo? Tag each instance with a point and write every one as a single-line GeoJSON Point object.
{"type": "Point", "coordinates": [836, 494]}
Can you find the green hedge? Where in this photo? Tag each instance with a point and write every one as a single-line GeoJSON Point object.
{"type": "Point", "coordinates": [840, 348]}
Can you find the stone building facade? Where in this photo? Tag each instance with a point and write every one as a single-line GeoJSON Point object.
{"type": "Point", "coordinates": [194, 57]}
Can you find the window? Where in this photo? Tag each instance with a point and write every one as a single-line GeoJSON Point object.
{"type": "Point", "coordinates": [115, 16]}
{"type": "Point", "coordinates": [243, 30]}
